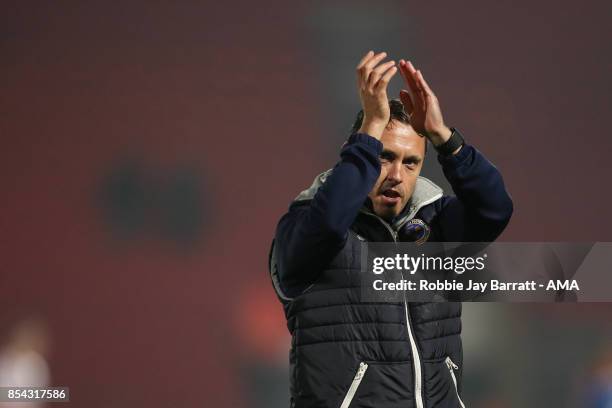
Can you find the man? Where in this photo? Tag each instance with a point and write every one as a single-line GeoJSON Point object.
{"type": "Point", "coordinates": [346, 352]}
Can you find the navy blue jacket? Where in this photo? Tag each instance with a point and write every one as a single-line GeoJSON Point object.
{"type": "Point", "coordinates": [308, 236]}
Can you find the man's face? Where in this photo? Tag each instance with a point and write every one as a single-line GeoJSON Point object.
{"type": "Point", "coordinates": [401, 162]}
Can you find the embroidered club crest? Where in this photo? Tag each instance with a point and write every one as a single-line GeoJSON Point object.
{"type": "Point", "coordinates": [417, 231]}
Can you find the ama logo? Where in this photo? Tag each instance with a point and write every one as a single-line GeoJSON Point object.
{"type": "Point", "coordinates": [562, 285]}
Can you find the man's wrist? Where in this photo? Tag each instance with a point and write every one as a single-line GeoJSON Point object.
{"type": "Point", "coordinates": [440, 136]}
{"type": "Point", "coordinates": [452, 145]}
{"type": "Point", "coordinates": [367, 140]}
{"type": "Point", "coordinates": [373, 128]}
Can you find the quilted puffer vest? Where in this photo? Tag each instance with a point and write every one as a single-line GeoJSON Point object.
{"type": "Point", "coordinates": [349, 353]}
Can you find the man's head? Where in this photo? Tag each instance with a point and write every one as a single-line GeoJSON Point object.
{"type": "Point", "coordinates": [401, 162]}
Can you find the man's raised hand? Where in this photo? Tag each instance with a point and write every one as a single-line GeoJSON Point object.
{"type": "Point", "coordinates": [422, 106]}
{"type": "Point", "coordinates": [372, 80]}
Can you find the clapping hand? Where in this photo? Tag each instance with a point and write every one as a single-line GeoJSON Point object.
{"type": "Point", "coordinates": [422, 105]}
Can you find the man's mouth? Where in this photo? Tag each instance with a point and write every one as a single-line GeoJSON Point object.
{"type": "Point", "coordinates": [391, 196]}
{"type": "Point", "coordinates": [391, 193]}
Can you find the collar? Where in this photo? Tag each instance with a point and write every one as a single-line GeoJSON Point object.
{"type": "Point", "coordinates": [425, 192]}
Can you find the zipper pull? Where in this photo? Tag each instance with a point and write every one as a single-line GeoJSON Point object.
{"type": "Point", "coordinates": [361, 371]}
{"type": "Point", "coordinates": [450, 364]}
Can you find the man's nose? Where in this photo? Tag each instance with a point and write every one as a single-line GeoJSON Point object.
{"type": "Point", "coordinates": [395, 172]}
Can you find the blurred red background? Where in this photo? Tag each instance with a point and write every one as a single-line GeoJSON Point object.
{"type": "Point", "coordinates": [149, 149]}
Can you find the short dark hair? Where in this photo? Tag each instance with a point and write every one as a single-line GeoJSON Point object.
{"type": "Point", "coordinates": [398, 113]}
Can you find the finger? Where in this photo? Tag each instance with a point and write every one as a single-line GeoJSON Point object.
{"type": "Point", "coordinates": [414, 74]}
{"type": "Point", "coordinates": [366, 68]}
{"type": "Point", "coordinates": [406, 101]}
{"type": "Point", "coordinates": [411, 68]}
{"type": "Point", "coordinates": [365, 58]}
{"type": "Point", "coordinates": [359, 67]}
{"type": "Point", "coordinates": [408, 76]}
{"type": "Point", "coordinates": [418, 95]}
{"type": "Point", "coordinates": [371, 63]}
{"type": "Point", "coordinates": [406, 96]}
{"type": "Point", "coordinates": [402, 66]}
{"type": "Point", "coordinates": [384, 81]}
{"type": "Point", "coordinates": [423, 84]}
{"type": "Point", "coordinates": [378, 72]}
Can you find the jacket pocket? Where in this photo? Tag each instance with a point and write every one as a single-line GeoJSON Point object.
{"type": "Point", "coordinates": [440, 387]}
{"type": "Point", "coordinates": [381, 385]}
{"type": "Point", "coordinates": [451, 368]}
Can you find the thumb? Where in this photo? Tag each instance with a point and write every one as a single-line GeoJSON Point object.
{"type": "Point", "coordinates": [406, 101]}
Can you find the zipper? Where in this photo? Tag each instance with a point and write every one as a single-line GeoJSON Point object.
{"type": "Point", "coordinates": [354, 385]}
{"type": "Point", "coordinates": [451, 368]}
{"type": "Point", "coordinates": [415, 356]}
{"type": "Point", "coordinates": [384, 223]}
{"type": "Point", "coordinates": [416, 359]}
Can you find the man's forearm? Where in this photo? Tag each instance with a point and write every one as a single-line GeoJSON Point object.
{"type": "Point", "coordinates": [339, 199]}
{"type": "Point", "coordinates": [308, 234]}
{"type": "Point", "coordinates": [480, 188]}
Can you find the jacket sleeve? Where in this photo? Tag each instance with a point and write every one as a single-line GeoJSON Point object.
{"type": "Point", "coordinates": [482, 207]}
{"type": "Point", "coordinates": [311, 233]}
